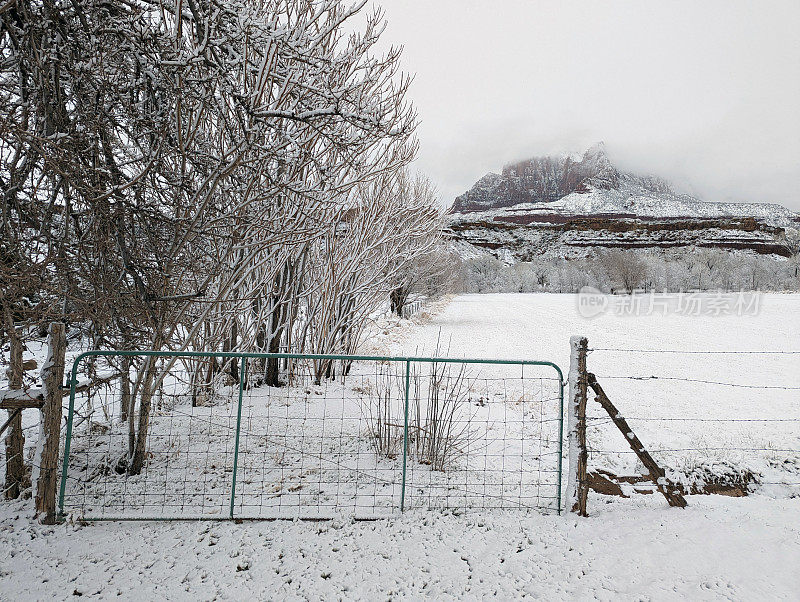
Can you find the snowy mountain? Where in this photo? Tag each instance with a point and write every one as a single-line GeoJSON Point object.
{"type": "Point", "coordinates": [590, 185]}
{"type": "Point", "coordinates": [557, 205]}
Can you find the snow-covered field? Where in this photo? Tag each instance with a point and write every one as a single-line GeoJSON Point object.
{"type": "Point", "coordinates": [732, 409]}
{"type": "Point", "coordinates": [635, 548]}
{"type": "Point", "coordinates": [717, 549]}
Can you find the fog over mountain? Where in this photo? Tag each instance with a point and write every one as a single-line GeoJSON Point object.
{"type": "Point", "coordinates": [576, 205]}
{"type": "Point", "coordinates": [590, 184]}
{"type": "Point", "coordinates": [702, 93]}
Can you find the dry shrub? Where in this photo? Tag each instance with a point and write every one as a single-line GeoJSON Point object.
{"type": "Point", "coordinates": [439, 413]}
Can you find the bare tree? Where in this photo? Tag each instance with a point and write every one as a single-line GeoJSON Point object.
{"type": "Point", "coordinates": [429, 265]}
{"type": "Point", "coordinates": [791, 243]}
{"type": "Point", "coordinates": [384, 230]}
{"type": "Point", "coordinates": [624, 268]}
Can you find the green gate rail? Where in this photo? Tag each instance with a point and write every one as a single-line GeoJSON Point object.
{"type": "Point", "coordinates": [446, 472]}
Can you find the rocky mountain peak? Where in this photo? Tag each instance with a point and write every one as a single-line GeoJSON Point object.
{"type": "Point", "coordinates": [547, 179]}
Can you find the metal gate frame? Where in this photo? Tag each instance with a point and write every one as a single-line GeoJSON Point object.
{"type": "Point", "coordinates": [407, 360]}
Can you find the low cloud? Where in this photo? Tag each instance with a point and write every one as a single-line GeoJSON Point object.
{"type": "Point", "coordinates": [703, 94]}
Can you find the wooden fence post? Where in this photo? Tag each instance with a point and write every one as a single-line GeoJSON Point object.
{"type": "Point", "coordinates": [577, 484]}
{"type": "Point", "coordinates": [45, 465]}
{"type": "Point", "coordinates": [15, 440]}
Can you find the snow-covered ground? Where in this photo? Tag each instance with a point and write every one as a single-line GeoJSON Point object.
{"type": "Point", "coordinates": [635, 548]}
{"type": "Point", "coordinates": [717, 549]}
{"type": "Point", "coordinates": [744, 414]}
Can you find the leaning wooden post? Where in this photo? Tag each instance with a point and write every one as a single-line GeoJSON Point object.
{"type": "Point", "coordinates": [577, 484]}
{"type": "Point", "coordinates": [45, 465]}
{"type": "Point", "coordinates": [657, 474]}
{"type": "Point", "coordinates": [15, 440]}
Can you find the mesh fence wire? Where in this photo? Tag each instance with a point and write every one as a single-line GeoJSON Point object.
{"type": "Point", "coordinates": [361, 437]}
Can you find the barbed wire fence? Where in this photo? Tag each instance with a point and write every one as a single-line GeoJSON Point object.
{"type": "Point", "coordinates": [735, 433]}
{"type": "Point", "coordinates": [317, 450]}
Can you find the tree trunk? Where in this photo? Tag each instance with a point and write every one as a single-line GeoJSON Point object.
{"type": "Point", "coordinates": [140, 445]}
{"type": "Point", "coordinates": [212, 361]}
{"type": "Point", "coordinates": [259, 365]}
{"type": "Point", "coordinates": [280, 311]}
{"type": "Point", "coordinates": [125, 382]}
{"type": "Point", "coordinates": [15, 440]}
{"type": "Point", "coordinates": [230, 345]}
{"type": "Point", "coordinates": [397, 299]}
{"type": "Point", "coordinates": [46, 474]}
{"type": "Point", "coordinates": [273, 366]}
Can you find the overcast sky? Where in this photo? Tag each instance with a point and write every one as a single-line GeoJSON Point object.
{"type": "Point", "coordinates": [704, 93]}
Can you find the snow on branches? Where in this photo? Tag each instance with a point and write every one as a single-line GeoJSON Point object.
{"type": "Point", "coordinates": [206, 175]}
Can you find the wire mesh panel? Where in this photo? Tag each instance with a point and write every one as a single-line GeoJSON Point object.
{"type": "Point", "coordinates": [291, 436]}
{"type": "Point", "coordinates": [484, 436]}
{"type": "Point", "coordinates": [188, 453]}
{"type": "Point", "coordinates": [309, 448]}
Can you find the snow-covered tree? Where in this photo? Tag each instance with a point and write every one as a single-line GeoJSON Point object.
{"type": "Point", "coordinates": [171, 172]}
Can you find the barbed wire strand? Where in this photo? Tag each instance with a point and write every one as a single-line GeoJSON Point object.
{"type": "Point", "coordinates": [696, 351]}
{"type": "Point", "coordinates": [697, 380]}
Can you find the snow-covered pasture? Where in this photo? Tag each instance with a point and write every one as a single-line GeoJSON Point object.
{"type": "Point", "coordinates": [635, 548]}
{"type": "Point", "coordinates": [699, 406]}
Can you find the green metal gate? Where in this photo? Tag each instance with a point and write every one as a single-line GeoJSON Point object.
{"type": "Point", "coordinates": [360, 436]}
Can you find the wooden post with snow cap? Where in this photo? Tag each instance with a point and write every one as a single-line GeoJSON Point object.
{"type": "Point", "coordinates": [45, 464]}
{"type": "Point", "coordinates": [577, 484]}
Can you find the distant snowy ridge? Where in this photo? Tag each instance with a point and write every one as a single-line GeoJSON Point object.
{"type": "Point", "coordinates": [564, 186]}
